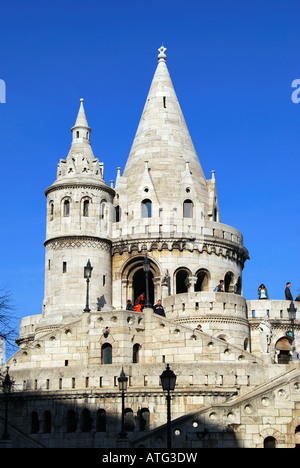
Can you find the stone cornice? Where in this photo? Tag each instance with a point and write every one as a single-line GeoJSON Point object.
{"type": "Point", "coordinates": [73, 185]}
{"type": "Point", "coordinates": [275, 324]}
{"type": "Point", "coordinates": [219, 247]}
{"type": "Point", "coordinates": [62, 242]}
{"type": "Point", "coordinates": [212, 319]}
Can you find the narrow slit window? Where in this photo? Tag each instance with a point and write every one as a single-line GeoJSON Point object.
{"type": "Point", "coordinates": [64, 267]}
{"type": "Point", "coordinates": [66, 208]}
{"type": "Point", "coordinates": [51, 211]}
{"type": "Point", "coordinates": [165, 101]}
{"type": "Point", "coordinates": [86, 208]}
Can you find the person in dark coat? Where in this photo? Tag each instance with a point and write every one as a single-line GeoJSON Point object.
{"type": "Point", "coordinates": [129, 305]}
{"type": "Point", "coordinates": [287, 292]}
{"type": "Point", "coordinates": [158, 309]}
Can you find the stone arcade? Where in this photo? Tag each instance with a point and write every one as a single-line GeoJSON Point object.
{"type": "Point", "coordinates": [236, 383]}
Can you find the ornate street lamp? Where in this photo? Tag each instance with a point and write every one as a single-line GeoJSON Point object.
{"type": "Point", "coordinates": [123, 380]}
{"type": "Point", "coordinates": [146, 268]}
{"type": "Point", "coordinates": [292, 315]}
{"type": "Point", "coordinates": [87, 274]}
{"type": "Point", "coordinates": [6, 384]}
{"type": "Point", "coordinates": [168, 381]}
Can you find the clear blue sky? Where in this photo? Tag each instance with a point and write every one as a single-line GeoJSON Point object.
{"type": "Point", "coordinates": [232, 64]}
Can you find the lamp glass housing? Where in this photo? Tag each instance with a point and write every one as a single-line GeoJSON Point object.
{"type": "Point", "coordinates": [168, 379]}
{"type": "Point", "coordinates": [122, 381]}
{"type": "Point", "coordinates": [88, 270]}
{"type": "Point", "coordinates": [292, 311]}
{"type": "Point", "coordinates": [146, 264]}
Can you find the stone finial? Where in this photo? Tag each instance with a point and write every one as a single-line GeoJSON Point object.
{"type": "Point", "coordinates": [162, 56]}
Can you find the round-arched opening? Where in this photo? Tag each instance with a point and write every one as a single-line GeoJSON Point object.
{"type": "Point", "coordinates": [283, 348]}
{"type": "Point", "coordinates": [139, 285]}
{"type": "Point", "coordinates": [202, 282]}
{"type": "Point", "coordinates": [270, 442]}
{"type": "Point", "coordinates": [182, 277]}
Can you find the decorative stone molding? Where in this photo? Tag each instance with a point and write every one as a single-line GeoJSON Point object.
{"type": "Point", "coordinates": [212, 319]}
{"type": "Point", "coordinates": [75, 242]}
{"type": "Point", "coordinates": [102, 187]}
{"type": "Point", "coordinates": [236, 253]}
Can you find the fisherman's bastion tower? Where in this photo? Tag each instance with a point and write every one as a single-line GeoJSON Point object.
{"type": "Point", "coordinates": [156, 230]}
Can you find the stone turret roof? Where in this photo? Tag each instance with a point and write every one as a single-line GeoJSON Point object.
{"type": "Point", "coordinates": [80, 167]}
{"type": "Point", "coordinates": [81, 121]}
{"type": "Point", "coordinates": [163, 140]}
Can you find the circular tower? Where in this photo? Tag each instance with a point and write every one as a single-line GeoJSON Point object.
{"type": "Point", "coordinates": [165, 207]}
{"type": "Point", "coordinates": [79, 217]}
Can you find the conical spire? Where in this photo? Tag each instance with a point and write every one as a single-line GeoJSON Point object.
{"type": "Point", "coordinates": [163, 139]}
{"type": "Point", "coordinates": [80, 164]}
{"type": "Point", "coordinates": [81, 128]}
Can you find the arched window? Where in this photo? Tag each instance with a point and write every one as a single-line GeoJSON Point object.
{"type": "Point", "coordinates": [229, 286]}
{"type": "Point", "coordinates": [187, 209]}
{"type": "Point", "coordinates": [71, 421]}
{"type": "Point", "coordinates": [182, 281]}
{"type": "Point", "coordinates": [47, 422]}
{"type": "Point", "coordinates": [66, 208]}
{"type": "Point", "coordinates": [117, 214]}
{"type": "Point", "coordinates": [135, 353]}
{"type": "Point", "coordinates": [86, 208]}
{"type": "Point", "coordinates": [129, 420]}
{"type": "Point", "coordinates": [202, 280]}
{"type": "Point", "coordinates": [106, 354]}
{"type": "Point", "coordinates": [101, 421]}
{"type": "Point", "coordinates": [86, 421]}
{"type": "Point", "coordinates": [144, 419]}
{"type": "Point", "coordinates": [270, 442]}
{"type": "Point", "coordinates": [102, 208]}
{"type": "Point", "coordinates": [146, 208]}
{"type": "Point", "coordinates": [35, 423]}
{"type": "Point", "coordinates": [51, 210]}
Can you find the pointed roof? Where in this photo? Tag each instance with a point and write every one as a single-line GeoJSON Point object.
{"type": "Point", "coordinates": [80, 165]}
{"type": "Point", "coordinates": [81, 121]}
{"type": "Point", "coordinates": [163, 139]}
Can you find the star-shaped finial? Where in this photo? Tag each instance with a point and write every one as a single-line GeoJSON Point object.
{"type": "Point", "coordinates": [162, 54]}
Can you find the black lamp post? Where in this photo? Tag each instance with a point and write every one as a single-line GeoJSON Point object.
{"type": "Point", "coordinates": [123, 387]}
{"type": "Point", "coordinates": [87, 274]}
{"type": "Point", "coordinates": [7, 383]}
{"type": "Point", "coordinates": [168, 381]}
{"type": "Point", "coordinates": [146, 268]}
{"type": "Point", "coordinates": [292, 315]}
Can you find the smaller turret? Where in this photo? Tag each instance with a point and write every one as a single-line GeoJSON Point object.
{"type": "Point", "coordinates": [79, 218]}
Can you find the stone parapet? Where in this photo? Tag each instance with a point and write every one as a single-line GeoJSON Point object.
{"type": "Point", "coordinates": [273, 309]}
